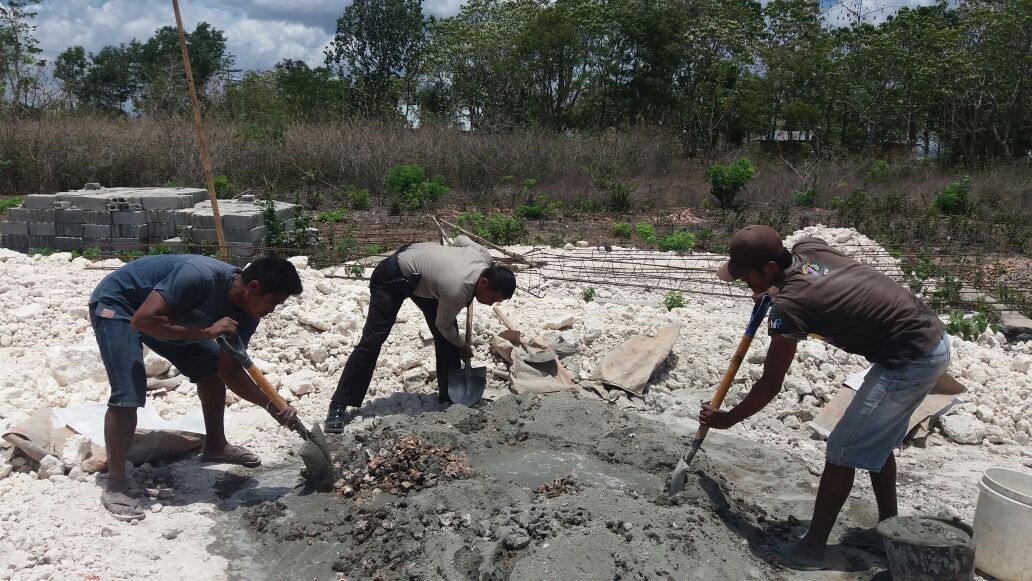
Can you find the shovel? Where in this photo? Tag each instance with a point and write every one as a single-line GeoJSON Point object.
{"type": "Point", "coordinates": [318, 463]}
{"type": "Point", "coordinates": [677, 478]}
{"type": "Point", "coordinates": [466, 385]}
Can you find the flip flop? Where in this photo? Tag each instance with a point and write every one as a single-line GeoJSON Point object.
{"type": "Point", "coordinates": [777, 555]}
{"type": "Point", "coordinates": [242, 456]}
{"type": "Point", "coordinates": [120, 509]}
{"type": "Point", "coordinates": [866, 539]}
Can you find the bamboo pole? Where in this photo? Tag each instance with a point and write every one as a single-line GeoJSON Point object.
{"type": "Point", "coordinates": [209, 176]}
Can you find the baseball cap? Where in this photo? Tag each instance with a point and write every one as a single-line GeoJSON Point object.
{"type": "Point", "coordinates": [751, 248]}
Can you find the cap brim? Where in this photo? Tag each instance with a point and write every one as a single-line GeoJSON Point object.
{"type": "Point", "coordinates": [724, 272]}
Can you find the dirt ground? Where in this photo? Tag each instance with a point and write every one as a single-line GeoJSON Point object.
{"type": "Point", "coordinates": [610, 519]}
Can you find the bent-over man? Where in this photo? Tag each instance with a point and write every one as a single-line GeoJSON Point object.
{"type": "Point", "coordinates": [441, 281]}
{"type": "Point", "coordinates": [822, 293]}
{"type": "Point", "coordinates": [177, 304]}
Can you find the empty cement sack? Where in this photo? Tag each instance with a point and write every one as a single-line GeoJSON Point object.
{"type": "Point", "coordinates": [632, 364]}
{"type": "Point", "coordinates": [38, 436]}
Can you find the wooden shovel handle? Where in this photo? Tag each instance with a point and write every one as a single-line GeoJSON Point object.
{"type": "Point", "coordinates": [263, 384]}
{"type": "Point", "coordinates": [732, 370]}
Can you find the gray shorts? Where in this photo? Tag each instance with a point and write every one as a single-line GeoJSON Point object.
{"type": "Point", "coordinates": [121, 350]}
{"type": "Point", "coordinates": [876, 420]}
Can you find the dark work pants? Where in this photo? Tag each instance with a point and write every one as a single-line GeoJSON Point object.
{"type": "Point", "coordinates": [388, 289]}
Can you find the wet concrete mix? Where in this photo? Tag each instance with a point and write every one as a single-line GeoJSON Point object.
{"type": "Point", "coordinates": [527, 487]}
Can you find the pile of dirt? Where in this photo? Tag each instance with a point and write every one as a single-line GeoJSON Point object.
{"type": "Point", "coordinates": [601, 511]}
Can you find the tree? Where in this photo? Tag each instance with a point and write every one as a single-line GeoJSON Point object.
{"type": "Point", "coordinates": [70, 67]}
{"type": "Point", "coordinates": [19, 50]}
{"type": "Point", "coordinates": [111, 79]}
{"type": "Point", "coordinates": [377, 47]}
{"type": "Point", "coordinates": [161, 80]}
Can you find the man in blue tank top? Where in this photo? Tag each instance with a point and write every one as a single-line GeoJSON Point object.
{"type": "Point", "coordinates": [177, 305]}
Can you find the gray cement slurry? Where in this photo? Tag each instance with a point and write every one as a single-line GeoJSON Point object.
{"type": "Point", "coordinates": [615, 522]}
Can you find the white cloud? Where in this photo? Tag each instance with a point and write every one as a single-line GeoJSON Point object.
{"type": "Point", "coordinates": [259, 33]}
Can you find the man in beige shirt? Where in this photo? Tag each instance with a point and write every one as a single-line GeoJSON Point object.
{"type": "Point", "coordinates": [441, 281]}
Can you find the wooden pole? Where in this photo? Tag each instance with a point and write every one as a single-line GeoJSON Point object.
{"type": "Point", "coordinates": [209, 176]}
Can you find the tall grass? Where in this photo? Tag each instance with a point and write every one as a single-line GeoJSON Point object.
{"type": "Point", "coordinates": [53, 153]}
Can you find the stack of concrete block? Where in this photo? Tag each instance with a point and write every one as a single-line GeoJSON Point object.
{"type": "Point", "coordinates": [243, 224]}
{"type": "Point", "coordinates": [135, 218]}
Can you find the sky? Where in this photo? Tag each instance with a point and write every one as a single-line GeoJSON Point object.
{"type": "Point", "coordinates": [260, 33]}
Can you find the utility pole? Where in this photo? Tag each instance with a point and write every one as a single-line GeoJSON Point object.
{"type": "Point", "coordinates": [209, 176]}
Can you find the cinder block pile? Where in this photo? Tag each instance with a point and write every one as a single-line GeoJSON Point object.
{"type": "Point", "coordinates": [135, 218]}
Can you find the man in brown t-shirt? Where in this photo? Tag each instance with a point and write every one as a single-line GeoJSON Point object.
{"type": "Point", "coordinates": [819, 292]}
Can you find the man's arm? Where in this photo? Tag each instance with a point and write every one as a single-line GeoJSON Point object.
{"type": "Point", "coordinates": [154, 318]}
{"type": "Point", "coordinates": [447, 310]}
{"type": "Point", "coordinates": [239, 382]}
{"type": "Point", "coordinates": [779, 358]}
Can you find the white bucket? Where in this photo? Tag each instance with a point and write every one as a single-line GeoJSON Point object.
{"type": "Point", "coordinates": [1003, 525]}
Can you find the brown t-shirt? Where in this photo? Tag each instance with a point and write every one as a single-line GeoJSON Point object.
{"type": "Point", "coordinates": [851, 306]}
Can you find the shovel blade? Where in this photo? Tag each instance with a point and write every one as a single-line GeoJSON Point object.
{"type": "Point", "coordinates": [678, 477]}
{"type": "Point", "coordinates": [466, 386]}
{"type": "Point", "coordinates": [317, 459]}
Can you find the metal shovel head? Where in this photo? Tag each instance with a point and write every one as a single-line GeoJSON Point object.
{"type": "Point", "coordinates": [680, 474]}
{"type": "Point", "coordinates": [318, 463]}
{"type": "Point", "coordinates": [466, 386]}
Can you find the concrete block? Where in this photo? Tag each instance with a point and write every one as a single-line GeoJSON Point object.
{"type": "Point", "coordinates": [70, 216]}
{"type": "Point", "coordinates": [86, 202]}
{"type": "Point", "coordinates": [161, 216]}
{"type": "Point", "coordinates": [132, 217]}
{"type": "Point", "coordinates": [162, 229]}
{"type": "Point", "coordinates": [135, 207]}
{"type": "Point", "coordinates": [16, 241]}
{"type": "Point", "coordinates": [239, 221]}
{"type": "Point", "coordinates": [42, 229]}
{"type": "Point", "coordinates": [39, 201]}
{"type": "Point", "coordinates": [203, 235]}
{"type": "Point", "coordinates": [92, 186]}
{"type": "Point", "coordinates": [18, 215]}
{"type": "Point", "coordinates": [136, 231]}
{"type": "Point", "coordinates": [184, 218]}
{"type": "Point", "coordinates": [159, 202]}
{"type": "Point", "coordinates": [41, 241]}
{"type": "Point", "coordinates": [61, 205]}
{"type": "Point", "coordinates": [14, 228]}
{"type": "Point", "coordinates": [96, 231]}
{"type": "Point", "coordinates": [96, 217]}
{"type": "Point", "coordinates": [67, 243]}
{"type": "Point", "coordinates": [68, 229]}
{"type": "Point", "coordinates": [202, 220]}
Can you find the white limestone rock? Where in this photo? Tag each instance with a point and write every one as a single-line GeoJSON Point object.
{"type": "Point", "coordinates": [963, 429]}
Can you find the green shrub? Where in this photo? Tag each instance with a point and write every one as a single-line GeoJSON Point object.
{"type": "Point", "coordinates": [804, 198]}
{"type": "Point", "coordinates": [332, 216]}
{"type": "Point", "coordinates": [646, 232]}
{"type": "Point", "coordinates": [374, 248]}
{"type": "Point", "coordinates": [91, 252]}
{"type": "Point", "coordinates": [538, 207]}
{"type": "Point", "coordinates": [726, 180]}
{"type": "Point", "coordinates": [359, 198]}
{"type": "Point", "coordinates": [588, 294]}
{"type": "Point", "coordinates": [409, 189]}
{"type": "Point", "coordinates": [954, 199]}
{"type": "Point", "coordinates": [853, 205]}
{"type": "Point", "coordinates": [555, 241]}
{"type": "Point", "coordinates": [622, 230]}
{"type": "Point", "coordinates": [498, 228]}
{"type": "Point", "coordinates": [586, 205]}
{"type": "Point", "coordinates": [8, 203]}
{"type": "Point", "coordinates": [159, 249]}
{"type": "Point", "coordinates": [223, 189]}
{"type": "Point", "coordinates": [878, 169]}
{"type": "Point", "coordinates": [266, 127]}
{"type": "Point", "coordinates": [42, 251]}
{"type": "Point", "coordinates": [971, 327]}
{"type": "Point", "coordinates": [680, 241]}
{"type": "Point", "coordinates": [704, 238]}
{"type": "Point", "coordinates": [673, 300]}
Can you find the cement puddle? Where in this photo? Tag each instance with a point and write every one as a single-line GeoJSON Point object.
{"type": "Point", "coordinates": [530, 467]}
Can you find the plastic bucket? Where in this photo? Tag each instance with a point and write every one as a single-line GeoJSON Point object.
{"type": "Point", "coordinates": [928, 549]}
{"type": "Point", "coordinates": [1003, 524]}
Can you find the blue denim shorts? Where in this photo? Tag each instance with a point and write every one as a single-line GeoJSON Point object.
{"type": "Point", "coordinates": [876, 420]}
{"type": "Point", "coordinates": [121, 350]}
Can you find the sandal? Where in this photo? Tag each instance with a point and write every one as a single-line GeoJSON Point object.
{"type": "Point", "coordinates": [241, 456]}
{"type": "Point", "coordinates": [121, 509]}
{"type": "Point", "coordinates": [779, 555]}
